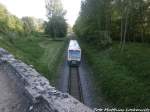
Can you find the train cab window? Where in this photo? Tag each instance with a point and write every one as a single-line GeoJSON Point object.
{"type": "Point", "coordinates": [74, 54]}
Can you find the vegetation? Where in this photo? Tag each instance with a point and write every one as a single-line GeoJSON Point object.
{"type": "Point", "coordinates": [56, 26]}
{"type": "Point", "coordinates": [32, 24]}
{"type": "Point", "coordinates": [25, 39]}
{"type": "Point", "coordinates": [13, 26]}
{"type": "Point", "coordinates": [121, 69]}
{"type": "Point", "coordinates": [8, 22]}
{"type": "Point", "coordinates": [42, 53]}
{"type": "Point", "coordinates": [122, 77]}
{"type": "Point", "coordinates": [123, 20]}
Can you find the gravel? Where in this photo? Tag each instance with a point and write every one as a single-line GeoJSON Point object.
{"type": "Point", "coordinates": [86, 83]}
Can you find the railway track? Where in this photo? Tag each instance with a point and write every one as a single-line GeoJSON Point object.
{"type": "Point", "coordinates": [74, 84]}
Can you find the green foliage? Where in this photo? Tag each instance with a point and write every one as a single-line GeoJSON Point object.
{"type": "Point", "coordinates": [29, 25]}
{"type": "Point", "coordinates": [93, 22]}
{"type": "Point", "coordinates": [54, 8]}
{"type": "Point", "coordinates": [12, 26]}
{"type": "Point", "coordinates": [8, 22]}
{"type": "Point", "coordinates": [32, 24]}
{"type": "Point", "coordinates": [3, 16]}
{"type": "Point", "coordinates": [122, 77]}
{"type": "Point", "coordinates": [138, 24]}
{"type": "Point", "coordinates": [124, 20]}
{"type": "Point", "coordinates": [44, 54]}
{"type": "Point", "coordinates": [20, 37]}
{"type": "Point", "coordinates": [56, 26]}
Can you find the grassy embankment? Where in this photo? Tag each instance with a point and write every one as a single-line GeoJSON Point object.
{"type": "Point", "coordinates": [124, 77]}
{"type": "Point", "coordinates": [43, 53]}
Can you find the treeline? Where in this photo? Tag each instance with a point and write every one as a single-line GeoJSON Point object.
{"type": "Point", "coordinates": [101, 21]}
{"type": "Point", "coordinates": [13, 26]}
{"type": "Point", "coordinates": [56, 25]}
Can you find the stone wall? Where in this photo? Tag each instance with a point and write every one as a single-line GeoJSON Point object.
{"type": "Point", "coordinates": [41, 95]}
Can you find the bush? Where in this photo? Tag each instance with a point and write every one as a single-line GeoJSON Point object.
{"type": "Point", "coordinates": [123, 77]}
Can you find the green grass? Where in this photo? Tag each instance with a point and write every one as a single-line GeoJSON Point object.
{"type": "Point", "coordinates": [43, 53]}
{"type": "Point", "coordinates": [123, 77]}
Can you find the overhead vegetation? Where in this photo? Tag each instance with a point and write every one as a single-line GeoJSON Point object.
{"type": "Point", "coordinates": [56, 25]}
{"type": "Point", "coordinates": [123, 20]}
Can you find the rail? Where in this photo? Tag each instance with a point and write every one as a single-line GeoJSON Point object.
{"type": "Point", "coordinates": [37, 89]}
{"type": "Point", "coordinates": [74, 84]}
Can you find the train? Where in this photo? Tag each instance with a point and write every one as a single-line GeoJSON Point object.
{"type": "Point", "coordinates": [74, 53]}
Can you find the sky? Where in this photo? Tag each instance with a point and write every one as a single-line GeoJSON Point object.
{"type": "Point", "coordinates": [36, 8]}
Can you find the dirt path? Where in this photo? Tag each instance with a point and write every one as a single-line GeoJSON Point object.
{"type": "Point", "coordinates": [10, 99]}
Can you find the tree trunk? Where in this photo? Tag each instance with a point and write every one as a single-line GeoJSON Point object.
{"type": "Point", "coordinates": [121, 33]}
{"type": "Point", "coordinates": [122, 24]}
{"type": "Point", "coordinates": [125, 29]}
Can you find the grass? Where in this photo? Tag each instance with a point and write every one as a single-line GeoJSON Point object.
{"type": "Point", "coordinates": [43, 53]}
{"type": "Point", "coordinates": [123, 77]}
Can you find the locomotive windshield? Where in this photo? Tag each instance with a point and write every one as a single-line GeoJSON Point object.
{"type": "Point", "coordinates": [74, 54]}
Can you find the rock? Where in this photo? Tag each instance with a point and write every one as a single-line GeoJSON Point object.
{"type": "Point", "coordinates": [42, 96]}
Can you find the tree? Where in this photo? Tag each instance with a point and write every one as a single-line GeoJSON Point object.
{"type": "Point", "coordinates": [3, 18]}
{"type": "Point", "coordinates": [56, 26]}
{"type": "Point", "coordinates": [29, 25]}
{"type": "Point", "coordinates": [122, 20]}
{"type": "Point", "coordinates": [93, 23]}
{"type": "Point", "coordinates": [12, 26]}
{"type": "Point", "coordinates": [9, 22]}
